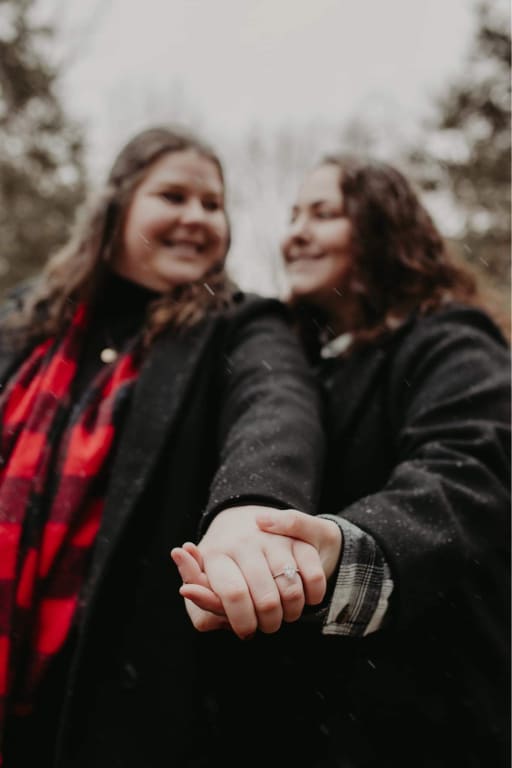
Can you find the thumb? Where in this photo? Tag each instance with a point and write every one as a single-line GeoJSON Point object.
{"type": "Point", "coordinates": [290, 522]}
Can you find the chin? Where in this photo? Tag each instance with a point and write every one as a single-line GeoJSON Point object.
{"type": "Point", "coordinates": [183, 278]}
{"type": "Point", "coordinates": [300, 290]}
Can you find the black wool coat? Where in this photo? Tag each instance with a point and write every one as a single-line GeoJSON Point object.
{"type": "Point", "coordinates": [422, 462]}
{"type": "Point", "coordinates": [419, 457]}
{"type": "Point", "coordinates": [223, 414]}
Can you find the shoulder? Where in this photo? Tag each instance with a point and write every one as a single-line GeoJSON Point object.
{"type": "Point", "coordinates": [457, 318]}
{"type": "Point", "coordinates": [262, 328]}
{"type": "Point", "coordinates": [250, 311]}
{"type": "Point", "coordinates": [451, 328]}
{"type": "Point", "coordinates": [247, 305]}
{"type": "Point", "coordinates": [455, 348]}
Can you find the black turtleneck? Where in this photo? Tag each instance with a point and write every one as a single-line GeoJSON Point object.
{"type": "Point", "coordinates": [118, 314]}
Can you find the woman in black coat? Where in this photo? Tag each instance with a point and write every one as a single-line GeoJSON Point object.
{"type": "Point", "coordinates": [409, 662]}
{"type": "Point", "coordinates": [143, 396]}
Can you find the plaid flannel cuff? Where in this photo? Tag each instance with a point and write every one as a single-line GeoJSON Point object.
{"type": "Point", "coordinates": [363, 585]}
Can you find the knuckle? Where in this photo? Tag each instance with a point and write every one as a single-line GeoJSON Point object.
{"type": "Point", "coordinates": [268, 604]}
{"type": "Point", "coordinates": [293, 592]}
{"type": "Point", "coordinates": [316, 590]}
{"type": "Point", "coordinates": [317, 580]}
{"type": "Point", "coordinates": [317, 575]}
{"type": "Point", "coordinates": [235, 594]}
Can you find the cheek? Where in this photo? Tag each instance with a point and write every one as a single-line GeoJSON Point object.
{"type": "Point", "coordinates": [338, 238]}
{"type": "Point", "coordinates": [328, 273]}
{"type": "Point", "coordinates": [223, 236]}
{"type": "Point", "coordinates": [284, 245]}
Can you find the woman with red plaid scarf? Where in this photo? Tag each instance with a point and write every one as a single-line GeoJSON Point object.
{"type": "Point", "coordinates": [143, 397]}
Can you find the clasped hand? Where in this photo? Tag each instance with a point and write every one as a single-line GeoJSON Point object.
{"type": "Point", "coordinates": [233, 579]}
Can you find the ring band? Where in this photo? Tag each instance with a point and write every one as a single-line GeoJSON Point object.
{"type": "Point", "coordinates": [290, 571]}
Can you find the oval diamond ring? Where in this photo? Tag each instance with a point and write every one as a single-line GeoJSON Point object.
{"type": "Point", "coordinates": [290, 571]}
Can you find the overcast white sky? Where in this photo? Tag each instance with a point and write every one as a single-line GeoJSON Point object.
{"type": "Point", "coordinates": [238, 63]}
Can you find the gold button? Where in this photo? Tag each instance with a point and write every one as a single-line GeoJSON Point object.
{"type": "Point", "coordinates": [108, 355]}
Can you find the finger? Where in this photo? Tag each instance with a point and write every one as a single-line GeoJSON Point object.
{"type": "Point", "coordinates": [194, 550]}
{"type": "Point", "coordinates": [325, 535]}
{"type": "Point", "coordinates": [204, 598]}
{"type": "Point", "coordinates": [263, 589]}
{"type": "Point", "coordinates": [228, 582]}
{"type": "Point", "coordinates": [290, 522]}
{"type": "Point", "coordinates": [205, 621]}
{"type": "Point", "coordinates": [311, 572]}
{"type": "Point", "coordinates": [188, 567]}
{"type": "Point", "coordinates": [194, 577]}
{"type": "Point", "coordinates": [285, 572]}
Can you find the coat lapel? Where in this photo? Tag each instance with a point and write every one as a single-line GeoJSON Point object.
{"type": "Point", "coordinates": [157, 399]}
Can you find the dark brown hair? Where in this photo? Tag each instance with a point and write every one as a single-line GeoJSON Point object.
{"type": "Point", "coordinates": [401, 264]}
{"type": "Point", "coordinates": [76, 272]}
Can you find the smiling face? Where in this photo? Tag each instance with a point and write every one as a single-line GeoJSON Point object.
{"type": "Point", "coordinates": [175, 229]}
{"type": "Point", "coordinates": [317, 247]}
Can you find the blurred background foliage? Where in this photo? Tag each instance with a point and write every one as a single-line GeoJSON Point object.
{"type": "Point", "coordinates": [460, 160]}
{"type": "Point", "coordinates": [467, 152]}
{"type": "Point", "coordinates": [42, 175]}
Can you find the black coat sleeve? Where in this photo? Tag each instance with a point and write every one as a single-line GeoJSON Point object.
{"type": "Point", "coordinates": [442, 518]}
{"type": "Point", "coordinates": [271, 439]}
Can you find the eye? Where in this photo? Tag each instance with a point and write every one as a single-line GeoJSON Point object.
{"type": "Point", "coordinates": [173, 196]}
{"type": "Point", "coordinates": [211, 204]}
{"type": "Point", "coordinates": [327, 213]}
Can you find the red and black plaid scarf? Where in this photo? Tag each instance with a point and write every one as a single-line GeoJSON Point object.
{"type": "Point", "coordinates": [52, 484]}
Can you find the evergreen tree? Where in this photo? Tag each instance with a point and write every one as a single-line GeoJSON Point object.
{"type": "Point", "coordinates": [41, 164]}
{"type": "Point", "coordinates": [469, 150]}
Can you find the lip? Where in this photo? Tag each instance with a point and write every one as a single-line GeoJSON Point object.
{"type": "Point", "coordinates": [193, 245]}
{"type": "Point", "coordinates": [298, 257]}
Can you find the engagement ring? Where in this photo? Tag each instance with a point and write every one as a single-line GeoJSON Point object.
{"type": "Point", "coordinates": [290, 571]}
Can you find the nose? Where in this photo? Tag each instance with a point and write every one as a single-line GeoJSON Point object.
{"type": "Point", "coordinates": [298, 230]}
{"type": "Point", "coordinates": [193, 212]}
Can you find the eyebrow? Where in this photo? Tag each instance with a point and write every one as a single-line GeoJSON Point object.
{"type": "Point", "coordinates": [181, 186]}
{"type": "Point", "coordinates": [315, 204]}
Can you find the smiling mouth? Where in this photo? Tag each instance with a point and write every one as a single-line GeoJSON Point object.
{"type": "Point", "coordinates": [185, 245]}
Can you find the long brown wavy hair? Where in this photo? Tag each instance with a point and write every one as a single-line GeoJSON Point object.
{"type": "Point", "coordinates": [76, 273]}
{"type": "Point", "coordinates": [400, 264]}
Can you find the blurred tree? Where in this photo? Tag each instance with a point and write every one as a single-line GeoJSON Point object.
{"type": "Point", "coordinates": [42, 178]}
{"type": "Point", "coordinates": [468, 149]}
